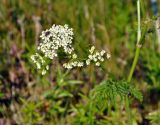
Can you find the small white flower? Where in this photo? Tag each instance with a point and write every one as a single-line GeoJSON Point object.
{"type": "Point", "coordinates": [108, 55]}
{"type": "Point", "coordinates": [74, 63]}
{"type": "Point", "coordinates": [90, 57]}
{"type": "Point", "coordinates": [92, 49]}
{"type": "Point", "coordinates": [95, 59]}
{"type": "Point", "coordinates": [47, 67]}
{"type": "Point", "coordinates": [99, 57]}
{"type": "Point", "coordinates": [69, 67]}
{"type": "Point", "coordinates": [103, 52]}
{"type": "Point", "coordinates": [44, 72]}
{"type": "Point", "coordinates": [97, 54]}
{"type": "Point", "coordinates": [88, 61]}
{"type": "Point", "coordinates": [80, 64]}
{"type": "Point", "coordinates": [102, 59]}
{"type": "Point", "coordinates": [97, 64]}
{"type": "Point", "coordinates": [38, 65]}
{"type": "Point", "coordinates": [65, 65]}
{"type": "Point", "coordinates": [74, 56]}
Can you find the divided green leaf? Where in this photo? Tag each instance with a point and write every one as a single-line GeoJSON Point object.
{"type": "Point", "coordinates": [108, 91]}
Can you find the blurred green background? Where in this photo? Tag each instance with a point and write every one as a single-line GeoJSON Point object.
{"type": "Point", "coordinates": [28, 98]}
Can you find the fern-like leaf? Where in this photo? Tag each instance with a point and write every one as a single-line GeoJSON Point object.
{"type": "Point", "coordinates": [107, 92]}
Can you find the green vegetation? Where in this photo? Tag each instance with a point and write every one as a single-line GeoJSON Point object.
{"type": "Point", "coordinates": [124, 90]}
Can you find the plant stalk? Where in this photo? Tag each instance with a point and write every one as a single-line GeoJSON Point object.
{"type": "Point", "coordinates": [137, 52]}
{"type": "Point", "coordinates": [138, 46]}
{"type": "Point", "coordinates": [129, 114]}
{"type": "Point", "coordinates": [134, 64]}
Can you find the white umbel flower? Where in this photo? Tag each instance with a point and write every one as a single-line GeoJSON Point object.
{"type": "Point", "coordinates": [96, 56]}
{"type": "Point", "coordinates": [54, 38]}
{"type": "Point", "coordinates": [60, 37]}
{"type": "Point", "coordinates": [73, 64]}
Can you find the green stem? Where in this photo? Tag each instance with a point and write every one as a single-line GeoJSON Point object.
{"type": "Point", "coordinates": [138, 43]}
{"type": "Point", "coordinates": [134, 64]}
{"type": "Point", "coordinates": [137, 52]}
{"type": "Point", "coordinates": [129, 114]}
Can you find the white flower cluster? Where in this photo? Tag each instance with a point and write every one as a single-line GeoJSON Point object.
{"type": "Point", "coordinates": [40, 63]}
{"type": "Point", "coordinates": [61, 37]}
{"type": "Point", "coordinates": [96, 57]}
{"type": "Point", "coordinates": [54, 38]}
{"type": "Point", "coordinates": [73, 64]}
